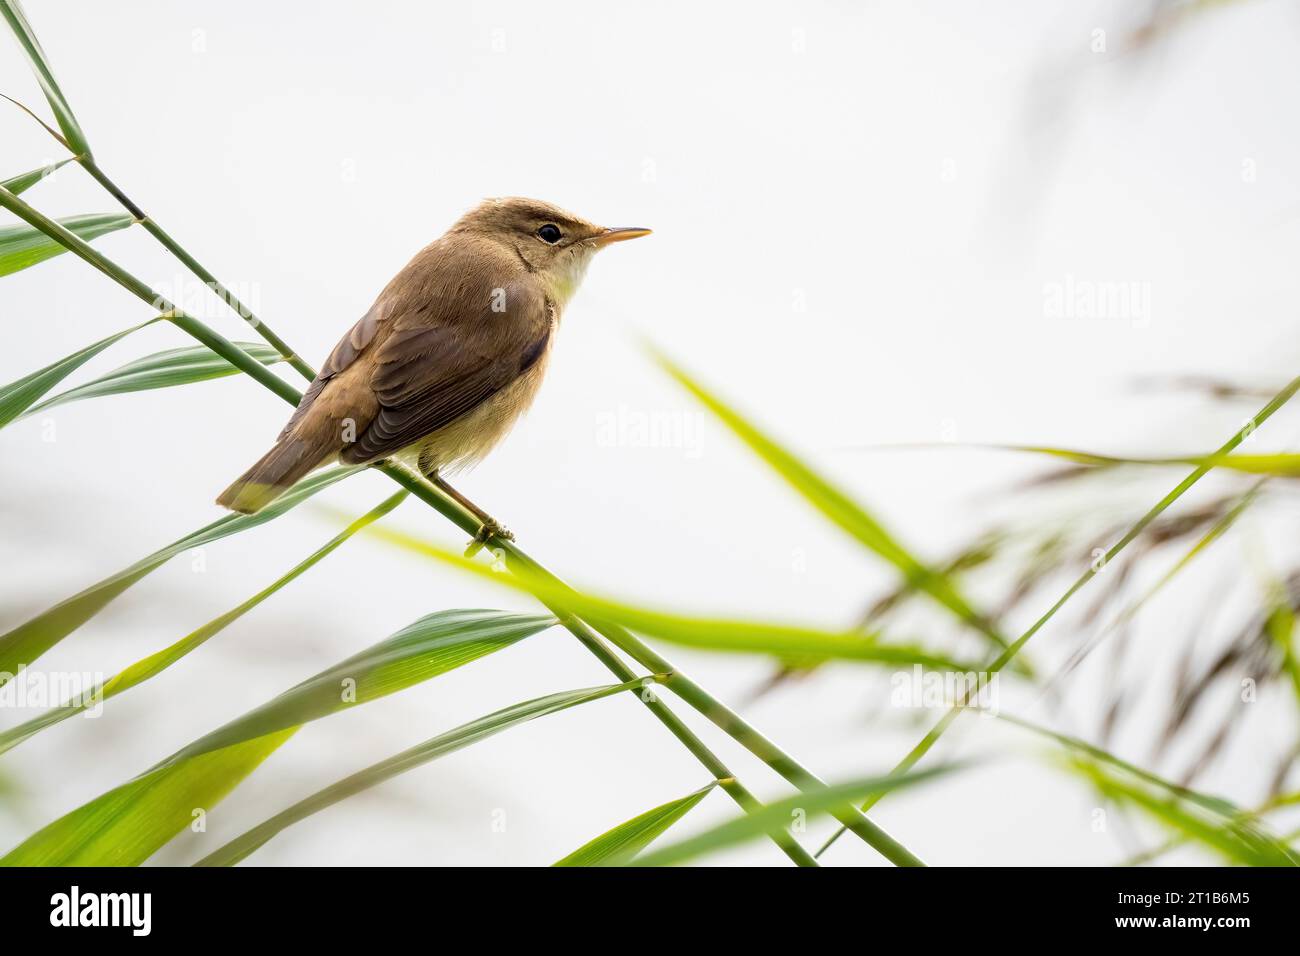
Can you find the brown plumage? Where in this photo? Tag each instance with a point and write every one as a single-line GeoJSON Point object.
{"type": "Point", "coordinates": [449, 355]}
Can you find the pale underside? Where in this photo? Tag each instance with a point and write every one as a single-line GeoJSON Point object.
{"type": "Point", "coordinates": [469, 438]}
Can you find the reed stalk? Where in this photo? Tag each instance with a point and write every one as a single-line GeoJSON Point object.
{"type": "Point", "coordinates": [932, 737]}
{"type": "Point", "coordinates": [427, 492]}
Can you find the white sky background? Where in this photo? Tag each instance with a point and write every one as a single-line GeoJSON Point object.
{"type": "Point", "coordinates": [857, 209]}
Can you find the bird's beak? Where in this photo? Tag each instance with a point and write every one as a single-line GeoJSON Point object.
{"type": "Point", "coordinates": [619, 235]}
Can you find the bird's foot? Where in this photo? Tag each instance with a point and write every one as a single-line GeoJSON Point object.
{"type": "Point", "coordinates": [491, 528]}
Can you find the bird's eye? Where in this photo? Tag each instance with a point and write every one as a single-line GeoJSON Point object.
{"type": "Point", "coordinates": [550, 233]}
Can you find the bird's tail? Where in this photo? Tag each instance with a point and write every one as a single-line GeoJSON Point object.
{"type": "Point", "coordinates": [275, 472]}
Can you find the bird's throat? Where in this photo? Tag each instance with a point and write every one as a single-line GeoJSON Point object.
{"type": "Point", "coordinates": [564, 277]}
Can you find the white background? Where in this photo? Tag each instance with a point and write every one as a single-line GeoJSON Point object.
{"type": "Point", "coordinates": [857, 211]}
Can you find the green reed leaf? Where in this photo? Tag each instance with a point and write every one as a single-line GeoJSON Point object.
{"type": "Point", "coordinates": [1241, 840]}
{"type": "Point", "coordinates": [22, 30]}
{"type": "Point", "coordinates": [775, 817]}
{"type": "Point", "coordinates": [793, 643]}
{"type": "Point", "coordinates": [1213, 804]}
{"type": "Point", "coordinates": [128, 824]}
{"type": "Point", "coordinates": [252, 840]}
{"type": "Point", "coordinates": [149, 667]}
{"type": "Point", "coordinates": [25, 643]}
{"type": "Point", "coordinates": [161, 370]}
{"type": "Point", "coordinates": [1281, 628]}
{"type": "Point", "coordinates": [933, 735]}
{"type": "Point", "coordinates": [23, 246]}
{"type": "Point", "coordinates": [1281, 464]}
{"type": "Point", "coordinates": [24, 181]}
{"type": "Point", "coordinates": [839, 507]}
{"type": "Point", "coordinates": [618, 846]}
{"type": "Point", "coordinates": [17, 397]}
{"type": "Point", "coordinates": [432, 645]}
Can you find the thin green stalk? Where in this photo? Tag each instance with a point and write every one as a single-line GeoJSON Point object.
{"type": "Point", "coordinates": [175, 248]}
{"type": "Point", "coordinates": [732, 724]}
{"type": "Point", "coordinates": [153, 665]}
{"type": "Point", "coordinates": [592, 641]}
{"type": "Point", "coordinates": [87, 162]}
{"type": "Point", "coordinates": [453, 511]}
{"type": "Point", "coordinates": [929, 740]}
{"type": "Point", "coordinates": [694, 695]}
{"type": "Point", "coordinates": [422, 489]}
{"type": "Point", "coordinates": [711, 762]}
{"type": "Point", "coordinates": [1218, 530]}
{"type": "Point", "coordinates": [218, 343]}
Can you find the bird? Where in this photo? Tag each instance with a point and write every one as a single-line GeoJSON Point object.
{"type": "Point", "coordinates": [448, 357]}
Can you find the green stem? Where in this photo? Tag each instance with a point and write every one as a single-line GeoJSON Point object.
{"type": "Point", "coordinates": [197, 268]}
{"type": "Point", "coordinates": [711, 762]}
{"type": "Point", "coordinates": [929, 740]}
{"type": "Point", "coordinates": [591, 640]}
{"type": "Point", "coordinates": [219, 344]}
{"type": "Point", "coordinates": [730, 722]}
{"type": "Point", "coordinates": [700, 700]}
{"type": "Point", "coordinates": [422, 489]}
{"type": "Point", "coordinates": [149, 667]}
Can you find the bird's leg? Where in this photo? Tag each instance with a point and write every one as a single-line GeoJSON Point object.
{"type": "Point", "coordinates": [489, 527]}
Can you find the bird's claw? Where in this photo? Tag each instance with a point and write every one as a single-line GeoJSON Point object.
{"type": "Point", "coordinates": [487, 531]}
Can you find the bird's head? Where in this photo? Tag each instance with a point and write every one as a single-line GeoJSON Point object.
{"type": "Point", "coordinates": [552, 243]}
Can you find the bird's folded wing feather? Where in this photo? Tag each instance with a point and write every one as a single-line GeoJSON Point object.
{"type": "Point", "coordinates": [431, 357]}
{"type": "Point", "coordinates": [428, 375]}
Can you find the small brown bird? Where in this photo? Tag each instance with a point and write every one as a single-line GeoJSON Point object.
{"type": "Point", "coordinates": [447, 358]}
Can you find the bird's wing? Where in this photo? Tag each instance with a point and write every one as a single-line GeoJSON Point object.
{"type": "Point", "coordinates": [432, 348]}
{"type": "Point", "coordinates": [441, 360]}
{"type": "Point", "coordinates": [359, 337]}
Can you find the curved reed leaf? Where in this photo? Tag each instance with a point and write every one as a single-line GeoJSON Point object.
{"type": "Point", "coordinates": [618, 846]}
{"type": "Point", "coordinates": [923, 746]}
{"type": "Point", "coordinates": [1281, 465]}
{"type": "Point", "coordinates": [794, 643]}
{"type": "Point", "coordinates": [1240, 840]}
{"type": "Point", "coordinates": [249, 842]}
{"type": "Point", "coordinates": [776, 817]}
{"type": "Point", "coordinates": [839, 507]}
{"type": "Point", "coordinates": [161, 370]}
{"type": "Point", "coordinates": [128, 824]}
{"type": "Point", "coordinates": [17, 397]}
{"type": "Point", "coordinates": [148, 667]}
{"type": "Point", "coordinates": [1217, 805]}
{"type": "Point", "coordinates": [430, 646]}
{"type": "Point", "coordinates": [1252, 815]}
{"type": "Point", "coordinates": [24, 181]}
{"type": "Point", "coordinates": [24, 246]}
{"type": "Point", "coordinates": [25, 643]}
{"type": "Point", "coordinates": [1281, 628]}
{"type": "Point", "coordinates": [22, 30]}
